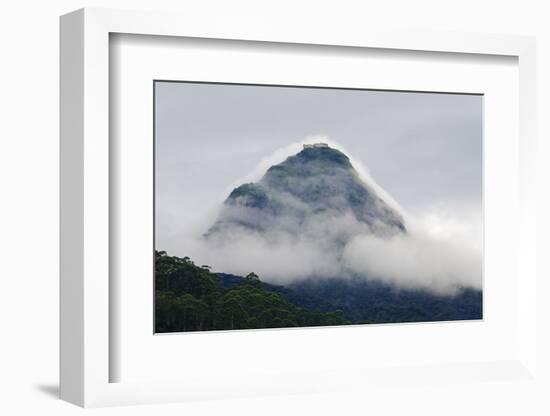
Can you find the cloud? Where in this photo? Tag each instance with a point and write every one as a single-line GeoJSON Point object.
{"type": "Point", "coordinates": [341, 247]}
{"type": "Point", "coordinates": [415, 261]}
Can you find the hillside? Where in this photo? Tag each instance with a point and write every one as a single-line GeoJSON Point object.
{"type": "Point", "coordinates": [191, 298]}
{"type": "Point", "coordinates": [374, 302]}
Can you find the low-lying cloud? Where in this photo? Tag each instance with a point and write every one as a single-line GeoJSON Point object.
{"type": "Point", "coordinates": [415, 261]}
{"type": "Point", "coordinates": [343, 248]}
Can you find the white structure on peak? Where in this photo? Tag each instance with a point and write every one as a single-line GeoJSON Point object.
{"type": "Point", "coordinates": [315, 145]}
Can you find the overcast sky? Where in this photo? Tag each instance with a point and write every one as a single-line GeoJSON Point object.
{"type": "Point", "coordinates": [424, 149]}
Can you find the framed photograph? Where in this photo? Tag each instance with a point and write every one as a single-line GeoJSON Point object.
{"type": "Point", "coordinates": [308, 236]}
{"type": "Point", "coordinates": [318, 199]}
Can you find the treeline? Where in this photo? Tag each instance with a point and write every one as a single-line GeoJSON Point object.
{"type": "Point", "coordinates": [192, 298]}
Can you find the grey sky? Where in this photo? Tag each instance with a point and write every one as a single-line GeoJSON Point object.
{"type": "Point", "coordinates": [423, 149]}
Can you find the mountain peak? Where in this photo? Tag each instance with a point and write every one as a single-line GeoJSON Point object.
{"type": "Point", "coordinates": [311, 161]}
{"type": "Point", "coordinates": [319, 182]}
{"type": "Point", "coordinates": [325, 153]}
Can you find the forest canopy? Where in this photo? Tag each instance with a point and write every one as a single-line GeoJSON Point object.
{"type": "Point", "coordinates": [192, 298]}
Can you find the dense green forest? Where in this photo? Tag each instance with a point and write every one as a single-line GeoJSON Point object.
{"type": "Point", "coordinates": [192, 298]}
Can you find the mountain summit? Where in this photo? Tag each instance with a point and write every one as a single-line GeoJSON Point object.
{"type": "Point", "coordinates": [315, 193]}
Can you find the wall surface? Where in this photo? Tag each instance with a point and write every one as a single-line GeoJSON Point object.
{"type": "Point", "coordinates": [29, 209]}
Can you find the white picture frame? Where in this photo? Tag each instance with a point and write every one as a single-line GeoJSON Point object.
{"type": "Point", "coordinates": [85, 220]}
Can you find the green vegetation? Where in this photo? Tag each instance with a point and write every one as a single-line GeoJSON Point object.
{"type": "Point", "coordinates": [192, 298]}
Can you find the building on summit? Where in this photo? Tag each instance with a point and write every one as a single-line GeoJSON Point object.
{"type": "Point", "coordinates": [315, 145]}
